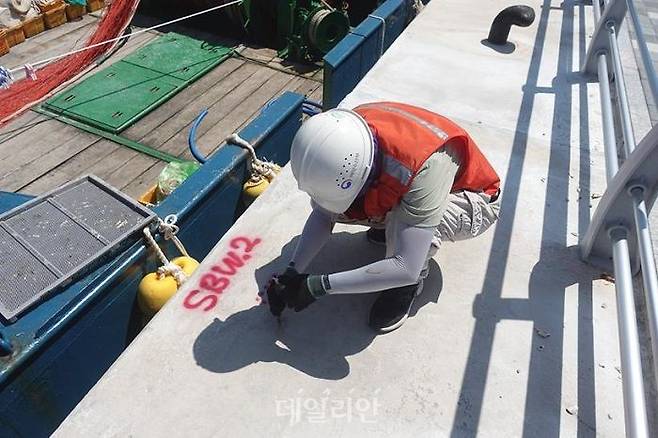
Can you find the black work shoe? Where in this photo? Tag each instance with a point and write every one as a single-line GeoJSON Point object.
{"type": "Point", "coordinates": [392, 307]}
{"type": "Point", "coordinates": [376, 236]}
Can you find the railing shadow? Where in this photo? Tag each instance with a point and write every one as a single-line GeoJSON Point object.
{"type": "Point", "coordinates": [558, 267]}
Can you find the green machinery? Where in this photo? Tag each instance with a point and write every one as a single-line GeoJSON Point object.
{"type": "Point", "coordinates": [303, 30]}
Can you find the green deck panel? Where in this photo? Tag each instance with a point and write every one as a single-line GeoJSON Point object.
{"type": "Point", "coordinates": [118, 96]}
{"type": "Point", "coordinates": [179, 56]}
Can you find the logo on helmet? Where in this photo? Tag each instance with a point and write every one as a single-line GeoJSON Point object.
{"type": "Point", "coordinates": [346, 184]}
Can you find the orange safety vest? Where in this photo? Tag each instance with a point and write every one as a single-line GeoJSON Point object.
{"type": "Point", "coordinates": [407, 136]}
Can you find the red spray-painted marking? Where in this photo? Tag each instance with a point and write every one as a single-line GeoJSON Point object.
{"type": "Point", "coordinates": [215, 282]}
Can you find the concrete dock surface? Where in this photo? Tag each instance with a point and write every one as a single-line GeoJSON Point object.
{"type": "Point", "coordinates": [513, 335]}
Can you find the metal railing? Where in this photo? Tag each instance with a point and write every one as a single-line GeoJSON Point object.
{"type": "Point", "coordinates": [619, 235]}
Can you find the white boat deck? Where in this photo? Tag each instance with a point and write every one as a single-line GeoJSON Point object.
{"type": "Point", "coordinates": [513, 336]}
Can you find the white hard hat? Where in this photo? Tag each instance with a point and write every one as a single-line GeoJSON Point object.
{"type": "Point", "coordinates": [331, 158]}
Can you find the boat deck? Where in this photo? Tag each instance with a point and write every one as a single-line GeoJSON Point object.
{"type": "Point", "coordinates": [513, 336]}
{"type": "Point", "coordinates": [38, 154]}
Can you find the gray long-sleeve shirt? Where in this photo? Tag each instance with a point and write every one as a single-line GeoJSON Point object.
{"type": "Point", "coordinates": [409, 230]}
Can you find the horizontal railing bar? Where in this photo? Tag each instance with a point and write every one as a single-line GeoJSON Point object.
{"type": "Point", "coordinates": [644, 50]}
{"type": "Point", "coordinates": [635, 411]}
{"type": "Point", "coordinates": [622, 96]}
{"type": "Point", "coordinates": [609, 143]}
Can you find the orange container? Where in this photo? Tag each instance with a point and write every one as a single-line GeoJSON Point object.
{"type": "Point", "coordinates": [15, 35]}
{"type": "Point", "coordinates": [33, 26]}
{"type": "Point", "coordinates": [94, 5]}
{"type": "Point", "coordinates": [55, 16]}
{"type": "Point", "coordinates": [4, 46]}
{"type": "Point", "coordinates": [54, 4]}
{"type": "Point", "coordinates": [75, 12]}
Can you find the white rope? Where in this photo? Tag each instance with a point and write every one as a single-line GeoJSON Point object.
{"type": "Point", "coordinates": [259, 168]}
{"type": "Point", "coordinates": [73, 52]}
{"type": "Point", "coordinates": [169, 229]}
{"type": "Point", "coordinates": [383, 41]}
{"type": "Point", "coordinates": [168, 268]}
{"type": "Point", "coordinates": [328, 5]}
{"type": "Point", "coordinates": [155, 247]}
{"type": "Point", "coordinates": [172, 270]}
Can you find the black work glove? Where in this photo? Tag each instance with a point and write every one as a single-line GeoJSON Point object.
{"type": "Point", "coordinates": [294, 290]}
{"type": "Point", "coordinates": [274, 298]}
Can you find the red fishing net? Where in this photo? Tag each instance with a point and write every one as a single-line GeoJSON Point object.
{"type": "Point", "coordinates": [25, 93]}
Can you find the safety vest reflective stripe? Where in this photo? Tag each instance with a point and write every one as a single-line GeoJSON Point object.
{"type": "Point", "coordinates": [424, 123]}
{"type": "Point", "coordinates": [397, 170]}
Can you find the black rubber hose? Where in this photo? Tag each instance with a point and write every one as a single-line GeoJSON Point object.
{"type": "Point", "coordinates": [519, 15]}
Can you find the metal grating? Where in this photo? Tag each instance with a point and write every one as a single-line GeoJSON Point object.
{"type": "Point", "coordinates": [51, 239]}
{"type": "Point", "coordinates": [93, 208]}
{"type": "Point", "coordinates": [22, 274]}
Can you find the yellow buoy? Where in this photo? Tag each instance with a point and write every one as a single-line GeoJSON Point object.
{"type": "Point", "coordinates": [255, 187]}
{"type": "Point", "coordinates": [154, 292]}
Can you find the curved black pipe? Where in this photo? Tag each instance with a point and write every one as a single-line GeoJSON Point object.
{"type": "Point", "coordinates": [519, 15]}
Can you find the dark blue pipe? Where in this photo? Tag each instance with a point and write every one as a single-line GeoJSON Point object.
{"type": "Point", "coordinates": [313, 103]}
{"type": "Point", "coordinates": [191, 139]}
{"type": "Point", "coordinates": [309, 111]}
{"type": "Point", "coordinates": [309, 107]}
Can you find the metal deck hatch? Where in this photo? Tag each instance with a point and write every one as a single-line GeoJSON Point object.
{"type": "Point", "coordinates": [47, 241]}
{"type": "Point", "coordinates": [120, 95]}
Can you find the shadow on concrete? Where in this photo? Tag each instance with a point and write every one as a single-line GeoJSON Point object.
{"type": "Point", "coordinates": [299, 339]}
{"type": "Point", "coordinates": [505, 49]}
{"type": "Point", "coordinates": [558, 267]}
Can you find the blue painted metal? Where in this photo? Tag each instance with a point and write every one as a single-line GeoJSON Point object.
{"type": "Point", "coordinates": [63, 346]}
{"type": "Point", "coordinates": [11, 200]}
{"type": "Point", "coordinates": [347, 63]}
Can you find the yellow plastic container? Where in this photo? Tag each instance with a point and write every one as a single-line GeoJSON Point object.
{"type": "Point", "coordinates": [15, 35]}
{"type": "Point", "coordinates": [150, 197]}
{"type": "Point", "coordinates": [75, 12]}
{"type": "Point", "coordinates": [34, 26]}
{"type": "Point", "coordinates": [95, 5]}
{"type": "Point", "coordinates": [4, 45]}
{"type": "Point", "coordinates": [54, 14]}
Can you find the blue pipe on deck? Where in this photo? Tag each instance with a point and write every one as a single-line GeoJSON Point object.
{"type": "Point", "coordinates": [191, 139]}
{"type": "Point", "coordinates": [309, 107]}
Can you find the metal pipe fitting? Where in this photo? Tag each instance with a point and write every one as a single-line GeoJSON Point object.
{"type": "Point", "coordinates": [519, 15]}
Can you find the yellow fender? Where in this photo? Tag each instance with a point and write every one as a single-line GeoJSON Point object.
{"type": "Point", "coordinates": [154, 292]}
{"type": "Point", "coordinates": [253, 188]}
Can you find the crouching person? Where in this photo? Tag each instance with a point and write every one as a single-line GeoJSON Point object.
{"type": "Point", "coordinates": [415, 177]}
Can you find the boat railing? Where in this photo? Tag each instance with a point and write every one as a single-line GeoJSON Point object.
{"type": "Point", "coordinates": [619, 234]}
